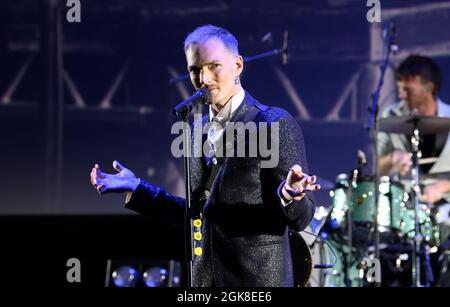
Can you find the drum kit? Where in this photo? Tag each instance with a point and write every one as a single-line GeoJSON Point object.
{"type": "Point", "coordinates": [409, 233]}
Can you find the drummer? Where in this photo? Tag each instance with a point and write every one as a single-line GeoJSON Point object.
{"type": "Point", "coordinates": [418, 82]}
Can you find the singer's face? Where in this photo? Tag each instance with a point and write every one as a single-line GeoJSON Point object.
{"type": "Point", "coordinates": [214, 66]}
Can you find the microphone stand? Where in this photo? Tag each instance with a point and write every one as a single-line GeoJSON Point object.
{"type": "Point", "coordinates": [188, 222]}
{"type": "Point", "coordinates": [182, 110]}
{"type": "Point", "coordinates": [372, 125]}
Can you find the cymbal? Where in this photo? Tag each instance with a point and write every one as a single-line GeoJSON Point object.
{"type": "Point", "coordinates": [424, 161]}
{"type": "Point", "coordinates": [405, 124]}
{"type": "Point", "coordinates": [433, 177]}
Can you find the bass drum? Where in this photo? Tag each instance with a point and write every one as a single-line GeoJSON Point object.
{"type": "Point", "coordinates": [392, 198]}
{"type": "Point", "coordinates": [301, 259]}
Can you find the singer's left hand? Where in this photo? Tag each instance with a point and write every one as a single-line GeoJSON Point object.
{"type": "Point", "coordinates": [297, 183]}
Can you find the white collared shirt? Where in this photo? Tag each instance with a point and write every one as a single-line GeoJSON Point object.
{"type": "Point", "coordinates": [236, 101]}
{"type": "Point", "coordinates": [216, 130]}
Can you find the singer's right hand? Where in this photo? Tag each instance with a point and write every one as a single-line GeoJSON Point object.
{"type": "Point", "coordinates": [123, 181]}
{"type": "Point", "coordinates": [401, 162]}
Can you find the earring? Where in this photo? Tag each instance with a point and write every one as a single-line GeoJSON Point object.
{"type": "Point", "coordinates": [236, 81]}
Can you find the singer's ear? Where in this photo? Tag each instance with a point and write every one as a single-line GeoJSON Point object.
{"type": "Point", "coordinates": [239, 65]}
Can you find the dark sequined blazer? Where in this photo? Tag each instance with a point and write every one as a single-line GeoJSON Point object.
{"type": "Point", "coordinates": [244, 225]}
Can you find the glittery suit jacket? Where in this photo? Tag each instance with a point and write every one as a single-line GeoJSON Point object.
{"type": "Point", "coordinates": [244, 225]}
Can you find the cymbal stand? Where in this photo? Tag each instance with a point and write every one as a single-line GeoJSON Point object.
{"type": "Point", "coordinates": [348, 258]}
{"type": "Point", "coordinates": [372, 126]}
{"type": "Point", "coordinates": [418, 238]}
{"type": "Point", "coordinates": [361, 161]}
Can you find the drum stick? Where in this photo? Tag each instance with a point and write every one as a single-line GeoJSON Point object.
{"type": "Point", "coordinates": [427, 160]}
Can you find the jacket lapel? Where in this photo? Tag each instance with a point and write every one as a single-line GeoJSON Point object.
{"type": "Point", "coordinates": [242, 115]}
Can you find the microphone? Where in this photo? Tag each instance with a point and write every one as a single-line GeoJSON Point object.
{"type": "Point", "coordinates": [390, 36]}
{"type": "Point", "coordinates": [284, 50]}
{"type": "Point", "coordinates": [200, 96]}
{"type": "Point", "coordinates": [393, 37]}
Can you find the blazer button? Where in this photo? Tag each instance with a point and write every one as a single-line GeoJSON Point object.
{"type": "Point", "coordinates": [197, 236]}
{"type": "Point", "coordinates": [214, 160]}
{"type": "Point", "coordinates": [198, 251]}
{"type": "Point", "coordinates": [198, 223]}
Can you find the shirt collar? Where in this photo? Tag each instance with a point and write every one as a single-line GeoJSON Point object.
{"type": "Point", "coordinates": [440, 108]}
{"type": "Point", "coordinates": [236, 101]}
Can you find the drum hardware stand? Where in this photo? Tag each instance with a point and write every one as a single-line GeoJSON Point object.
{"type": "Point", "coordinates": [430, 274]}
{"type": "Point", "coordinates": [376, 196]}
{"type": "Point", "coordinates": [348, 257]}
{"type": "Point", "coordinates": [373, 125]}
{"type": "Point", "coordinates": [352, 182]}
{"type": "Point", "coordinates": [390, 46]}
{"type": "Point", "coordinates": [418, 237]}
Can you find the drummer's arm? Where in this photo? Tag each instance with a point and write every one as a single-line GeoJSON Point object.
{"type": "Point", "coordinates": [385, 153]}
{"type": "Point", "coordinates": [445, 186]}
{"type": "Point", "coordinates": [435, 192]}
{"type": "Point", "coordinates": [385, 165]}
{"type": "Point", "coordinates": [396, 161]}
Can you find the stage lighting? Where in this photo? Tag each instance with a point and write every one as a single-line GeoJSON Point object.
{"type": "Point", "coordinates": [143, 273]}
{"type": "Point", "coordinates": [156, 277]}
{"type": "Point", "coordinates": [125, 276]}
